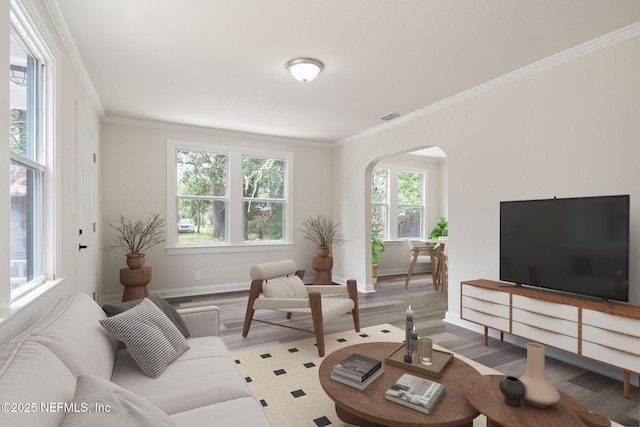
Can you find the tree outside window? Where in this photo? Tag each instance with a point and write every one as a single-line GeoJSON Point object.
{"type": "Point", "coordinates": [227, 196]}
{"type": "Point", "coordinates": [202, 196]}
{"type": "Point", "coordinates": [263, 198]}
{"type": "Point", "coordinates": [379, 200]}
{"type": "Point", "coordinates": [410, 204]}
{"type": "Point", "coordinates": [398, 202]}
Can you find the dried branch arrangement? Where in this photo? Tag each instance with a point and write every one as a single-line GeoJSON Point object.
{"type": "Point", "coordinates": [321, 231]}
{"type": "Point", "coordinates": [137, 237]}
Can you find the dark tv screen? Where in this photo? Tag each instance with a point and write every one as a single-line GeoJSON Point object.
{"type": "Point", "coordinates": [574, 245]}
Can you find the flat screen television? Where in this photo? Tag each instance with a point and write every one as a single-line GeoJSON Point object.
{"type": "Point", "coordinates": [573, 245]}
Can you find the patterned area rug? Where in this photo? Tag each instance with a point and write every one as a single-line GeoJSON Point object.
{"type": "Point", "coordinates": [284, 377]}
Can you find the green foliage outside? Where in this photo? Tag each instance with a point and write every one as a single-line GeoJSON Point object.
{"type": "Point", "coordinates": [409, 188]}
{"type": "Point", "coordinates": [18, 131]}
{"type": "Point", "coordinates": [202, 196]}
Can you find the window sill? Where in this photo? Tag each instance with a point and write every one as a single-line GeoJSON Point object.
{"type": "Point", "coordinates": [29, 298]}
{"type": "Point", "coordinates": [255, 247]}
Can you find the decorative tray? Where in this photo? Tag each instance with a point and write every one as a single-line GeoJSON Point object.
{"type": "Point", "coordinates": [440, 359]}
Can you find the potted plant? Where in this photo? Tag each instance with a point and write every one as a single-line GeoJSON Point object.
{"type": "Point", "coordinates": [136, 237]}
{"type": "Point", "coordinates": [377, 247]}
{"type": "Point", "coordinates": [323, 232]}
{"type": "Point", "coordinates": [439, 231]}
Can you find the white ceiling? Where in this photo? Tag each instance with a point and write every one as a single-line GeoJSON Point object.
{"type": "Point", "coordinates": [221, 63]}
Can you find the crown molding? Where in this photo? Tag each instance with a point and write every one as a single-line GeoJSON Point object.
{"type": "Point", "coordinates": [70, 46]}
{"type": "Point", "coordinates": [203, 130]}
{"type": "Point", "coordinates": [599, 43]}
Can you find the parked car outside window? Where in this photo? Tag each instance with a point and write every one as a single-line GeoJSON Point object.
{"type": "Point", "coordinates": [186, 226]}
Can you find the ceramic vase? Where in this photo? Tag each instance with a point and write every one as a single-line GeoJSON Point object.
{"type": "Point", "coordinates": [513, 390]}
{"type": "Point", "coordinates": [539, 392]}
{"type": "Point", "coordinates": [135, 261]}
{"type": "Point", "coordinates": [322, 251]}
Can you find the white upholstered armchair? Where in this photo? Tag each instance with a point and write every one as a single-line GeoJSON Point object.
{"type": "Point", "coordinates": [278, 286]}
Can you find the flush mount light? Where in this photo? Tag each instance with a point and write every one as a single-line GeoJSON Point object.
{"type": "Point", "coordinates": [304, 69]}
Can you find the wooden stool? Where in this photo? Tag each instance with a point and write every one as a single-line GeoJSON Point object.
{"type": "Point", "coordinates": [135, 283]}
{"type": "Point", "coordinates": [322, 266]}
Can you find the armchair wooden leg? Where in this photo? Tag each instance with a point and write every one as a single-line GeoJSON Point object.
{"type": "Point", "coordinates": [256, 288]}
{"type": "Point", "coordinates": [352, 288]}
{"type": "Point", "coordinates": [318, 326]}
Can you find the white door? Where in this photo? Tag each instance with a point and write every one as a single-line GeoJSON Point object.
{"type": "Point", "coordinates": [86, 207]}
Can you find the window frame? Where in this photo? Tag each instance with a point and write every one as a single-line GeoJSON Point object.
{"type": "Point", "coordinates": [234, 233]}
{"type": "Point", "coordinates": [392, 204]}
{"type": "Point", "coordinates": [33, 34]}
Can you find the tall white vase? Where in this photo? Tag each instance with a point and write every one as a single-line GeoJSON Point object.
{"type": "Point", "coordinates": [539, 392]}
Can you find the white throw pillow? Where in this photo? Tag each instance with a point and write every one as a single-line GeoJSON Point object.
{"type": "Point", "coordinates": [285, 287]}
{"type": "Point", "coordinates": [152, 339]}
{"type": "Point", "coordinates": [98, 402]}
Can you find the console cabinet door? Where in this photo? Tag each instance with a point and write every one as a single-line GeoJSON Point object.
{"type": "Point", "coordinates": [611, 339]}
{"type": "Point", "coordinates": [486, 307]}
{"type": "Point", "coordinates": [546, 322]}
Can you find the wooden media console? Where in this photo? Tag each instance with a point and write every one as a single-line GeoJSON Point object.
{"type": "Point", "coordinates": [586, 328]}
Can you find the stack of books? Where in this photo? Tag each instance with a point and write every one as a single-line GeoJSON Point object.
{"type": "Point", "coordinates": [415, 393]}
{"type": "Point", "coordinates": [357, 371]}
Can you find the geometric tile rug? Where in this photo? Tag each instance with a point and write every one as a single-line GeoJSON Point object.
{"type": "Point", "coordinates": [284, 377]}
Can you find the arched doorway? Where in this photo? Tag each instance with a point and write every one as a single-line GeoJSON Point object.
{"type": "Point", "coordinates": [409, 192]}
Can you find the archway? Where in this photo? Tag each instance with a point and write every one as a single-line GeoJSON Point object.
{"type": "Point", "coordinates": [391, 207]}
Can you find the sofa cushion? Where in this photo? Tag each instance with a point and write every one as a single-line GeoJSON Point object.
{"type": "Point", "coordinates": [108, 404]}
{"type": "Point", "coordinates": [206, 374]}
{"type": "Point", "coordinates": [245, 411]}
{"type": "Point", "coordinates": [151, 339]}
{"type": "Point", "coordinates": [72, 325]}
{"type": "Point", "coordinates": [30, 374]}
{"type": "Point", "coordinates": [163, 305]}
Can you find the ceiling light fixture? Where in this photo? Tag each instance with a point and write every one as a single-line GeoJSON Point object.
{"type": "Point", "coordinates": [304, 69]}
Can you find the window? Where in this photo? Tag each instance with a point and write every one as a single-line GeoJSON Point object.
{"type": "Point", "coordinates": [398, 202]}
{"type": "Point", "coordinates": [263, 190]}
{"type": "Point", "coordinates": [31, 169]}
{"type": "Point", "coordinates": [379, 200]}
{"type": "Point", "coordinates": [410, 204]}
{"type": "Point", "coordinates": [27, 167]}
{"type": "Point", "coordinates": [202, 196]}
{"type": "Point", "coordinates": [225, 198]}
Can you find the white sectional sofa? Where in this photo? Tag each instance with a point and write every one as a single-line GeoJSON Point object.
{"type": "Point", "coordinates": [41, 368]}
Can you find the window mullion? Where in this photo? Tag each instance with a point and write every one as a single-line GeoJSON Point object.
{"type": "Point", "coordinates": [235, 200]}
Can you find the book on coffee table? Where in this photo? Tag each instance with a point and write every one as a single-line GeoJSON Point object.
{"type": "Point", "coordinates": [357, 367]}
{"type": "Point", "coordinates": [416, 393]}
{"type": "Point", "coordinates": [360, 385]}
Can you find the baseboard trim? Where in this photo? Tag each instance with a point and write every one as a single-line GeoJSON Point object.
{"type": "Point", "coordinates": [185, 292]}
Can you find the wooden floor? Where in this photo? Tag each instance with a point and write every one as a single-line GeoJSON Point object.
{"type": "Point", "coordinates": [388, 304]}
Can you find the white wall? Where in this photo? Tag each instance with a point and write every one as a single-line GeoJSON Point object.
{"type": "Point", "coordinates": [570, 130]}
{"type": "Point", "coordinates": [134, 177]}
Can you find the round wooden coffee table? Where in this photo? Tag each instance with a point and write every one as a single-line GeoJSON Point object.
{"type": "Point", "coordinates": [369, 407]}
{"type": "Point", "coordinates": [484, 394]}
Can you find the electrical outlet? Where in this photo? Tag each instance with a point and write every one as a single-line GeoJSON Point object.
{"type": "Point", "coordinates": [197, 275]}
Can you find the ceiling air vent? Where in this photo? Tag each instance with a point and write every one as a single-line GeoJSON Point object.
{"type": "Point", "coordinates": [389, 116]}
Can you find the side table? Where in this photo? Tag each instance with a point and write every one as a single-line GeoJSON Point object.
{"type": "Point", "coordinates": [135, 283]}
{"type": "Point", "coordinates": [322, 266]}
{"type": "Point", "coordinates": [485, 396]}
